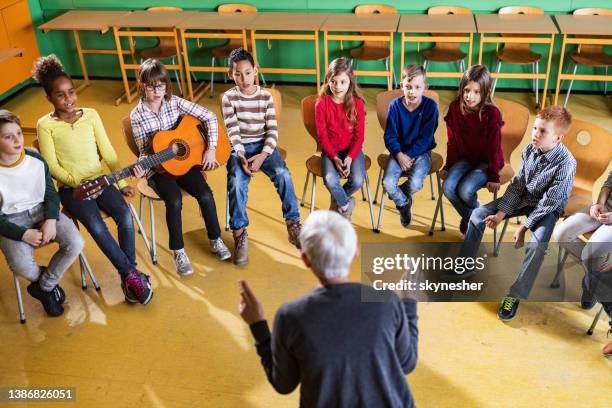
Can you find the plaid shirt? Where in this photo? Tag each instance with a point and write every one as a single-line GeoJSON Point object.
{"type": "Point", "coordinates": [146, 123]}
{"type": "Point", "coordinates": [544, 182]}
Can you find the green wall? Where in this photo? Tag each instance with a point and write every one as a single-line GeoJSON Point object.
{"type": "Point", "coordinates": [293, 53]}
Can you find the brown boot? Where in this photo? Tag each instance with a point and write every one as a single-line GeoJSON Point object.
{"type": "Point", "coordinates": [241, 247]}
{"type": "Point", "coordinates": [293, 231]}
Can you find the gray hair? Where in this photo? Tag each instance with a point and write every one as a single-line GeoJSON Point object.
{"type": "Point", "coordinates": [330, 242]}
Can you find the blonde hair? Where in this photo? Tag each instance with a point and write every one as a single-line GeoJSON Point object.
{"type": "Point", "coordinates": [337, 67]}
{"type": "Point", "coordinates": [414, 70]}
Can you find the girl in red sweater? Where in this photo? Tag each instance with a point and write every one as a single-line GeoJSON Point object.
{"type": "Point", "coordinates": [340, 119]}
{"type": "Point", "coordinates": [474, 155]}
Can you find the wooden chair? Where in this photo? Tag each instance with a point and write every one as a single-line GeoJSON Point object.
{"type": "Point", "coordinates": [519, 53]}
{"type": "Point", "coordinates": [516, 120]}
{"type": "Point", "coordinates": [383, 100]}
{"type": "Point", "coordinates": [278, 107]}
{"type": "Point", "coordinates": [589, 55]}
{"type": "Point", "coordinates": [314, 163]}
{"type": "Point", "coordinates": [166, 47]}
{"type": "Point", "coordinates": [224, 51]}
{"type": "Point", "coordinates": [442, 51]}
{"type": "Point", "coordinates": [374, 50]}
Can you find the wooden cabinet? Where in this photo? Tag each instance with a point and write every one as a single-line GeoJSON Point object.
{"type": "Point", "coordinates": [16, 31]}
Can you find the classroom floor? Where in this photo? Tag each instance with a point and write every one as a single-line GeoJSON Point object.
{"type": "Point", "coordinates": [189, 347]}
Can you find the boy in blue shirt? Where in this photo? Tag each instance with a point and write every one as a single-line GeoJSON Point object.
{"type": "Point", "coordinates": [409, 137]}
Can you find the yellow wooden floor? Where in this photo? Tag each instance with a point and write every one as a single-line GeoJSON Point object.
{"type": "Point", "coordinates": [189, 347]}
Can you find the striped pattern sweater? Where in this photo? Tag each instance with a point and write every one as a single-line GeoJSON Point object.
{"type": "Point", "coordinates": [250, 119]}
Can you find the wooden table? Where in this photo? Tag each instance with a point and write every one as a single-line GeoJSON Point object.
{"type": "Point", "coordinates": [162, 24]}
{"type": "Point", "coordinates": [386, 24]}
{"type": "Point", "coordinates": [436, 24]}
{"type": "Point", "coordinates": [518, 24]}
{"type": "Point", "coordinates": [590, 29]}
{"type": "Point", "coordinates": [288, 22]}
{"type": "Point", "coordinates": [82, 20]}
{"type": "Point", "coordinates": [8, 53]}
{"type": "Point", "coordinates": [216, 24]}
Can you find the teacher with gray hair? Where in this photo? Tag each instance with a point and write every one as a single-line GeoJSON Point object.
{"type": "Point", "coordinates": [343, 351]}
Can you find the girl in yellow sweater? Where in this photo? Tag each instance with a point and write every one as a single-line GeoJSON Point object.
{"type": "Point", "coordinates": [72, 140]}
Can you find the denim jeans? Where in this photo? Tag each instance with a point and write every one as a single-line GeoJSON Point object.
{"type": "Point", "coordinates": [331, 177]}
{"type": "Point", "coordinates": [462, 184]}
{"type": "Point", "coordinates": [87, 212]}
{"type": "Point", "coordinates": [238, 185]}
{"type": "Point", "coordinates": [20, 255]}
{"type": "Point", "coordinates": [169, 189]}
{"type": "Point", "coordinates": [416, 177]}
{"type": "Point", "coordinates": [535, 249]}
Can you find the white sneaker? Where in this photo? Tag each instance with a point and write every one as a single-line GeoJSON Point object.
{"type": "Point", "coordinates": [218, 247]}
{"type": "Point", "coordinates": [182, 264]}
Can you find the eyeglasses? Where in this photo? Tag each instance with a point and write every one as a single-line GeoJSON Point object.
{"type": "Point", "coordinates": [155, 88]}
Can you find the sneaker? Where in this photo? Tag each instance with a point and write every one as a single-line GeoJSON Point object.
{"type": "Point", "coordinates": [218, 247]}
{"type": "Point", "coordinates": [293, 231]}
{"type": "Point", "coordinates": [587, 301]}
{"type": "Point", "coordinates": [348, 212]}
{"type": "Point", "coordinates": [182, 264]}
{"type": "Point", "coordinates": [241, 248]}
{"type": "Point", "coordinates": [59, 294]}
{"type": "Point", "coordinates": [463, 226]}
{"type": "Point", "coordinates": [406, 213]}
{"type": "Point", "coordinates": [508, 308]}
{"type": "Point", "coordinates": [136, 287]}
{"type": "Point", "coordinates": [48, 299]}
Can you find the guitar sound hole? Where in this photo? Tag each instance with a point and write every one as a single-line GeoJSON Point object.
{"type": "Point", "coordinates": [182, 149]}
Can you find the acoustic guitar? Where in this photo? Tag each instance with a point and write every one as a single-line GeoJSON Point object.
{"type": "Point", "coordinates": [176, 151]}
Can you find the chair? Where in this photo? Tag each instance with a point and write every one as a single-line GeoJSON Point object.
{"type": "Point", "coordinates": [278, 107]}
{"type": "Point", "coordinates": [166, 48]}
{"type": "Point", "coordinates": [314, 162]}
{"type": "Point", "coordinates": [374, 50]}
{"type": "Point", "coordinates": [519, 53]}
{"type": "Point", "coordinates": [516, 120]}
{"type": "Point", "coordinates": [383, 100]}
{"type": "Point", "coordinates": [446, 52]}
{"type": "Point", "coordinates": [224, 51]}
{"type": "Point", "coordinates": [589, 55]}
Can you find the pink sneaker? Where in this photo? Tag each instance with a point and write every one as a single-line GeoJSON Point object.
{"type": "Point", "coordinates": [137, 287]}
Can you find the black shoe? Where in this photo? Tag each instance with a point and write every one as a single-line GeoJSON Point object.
{"type": "Point", "coordinates": [463, 226]}
{"type": "Point", "coordinates": [587, 301]}
{"type": "Point", "coordinates": [59, 294]}
{"type": "Point", "coordinates": [48, 299]}
{"type": "Point", "coordinates": [507, 309]}
{"type": "Point", "coordinates": [406, 213]}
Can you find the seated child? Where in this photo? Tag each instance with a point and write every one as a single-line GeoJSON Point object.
{"type": "Point", "coordinates": [250, 119]}
{"type": "Point", "coordinates": [409, 137]}
{"type": "Point", "coordinates": [540, 191]}
{"type": "Point", "coordinates": [30, 218]}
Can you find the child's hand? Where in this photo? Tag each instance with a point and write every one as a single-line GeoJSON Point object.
{"type": "Point", "coordinates": [339, 165]}
{"type": "Point", "coordinates": [519, 237]}
{"type": "Point", "coordinates": [605, 218]}
{"type": "Point", "coordinates": [443, 173]}
{"type": "Point", "coordinates": [595, 210]}
{"type": "Point", "coordinates": [138, 171]}
{"type": "Point", "coordinates": [33, 237]}
{"type": "Point", "coordinates": [210, 159]}
{"type": "Point", "coordinates": [48, 231]}
{"type": "Point", "coordinates": [404, 161]}
{"type": "Point", "coordinates": [128, 191]}
{"type": "Point", "coordinates": [256, 161]}
{"type": "Point", "coordinates": [492, 221]}
{"type": "Point", "coordinates": [606, 266]}
{"type": "Point", "coordinates": [493, 187]}
{"type": "Point", "coordinates": [347, 165]}
{"type": "Point", "coordinates": [244, 164]}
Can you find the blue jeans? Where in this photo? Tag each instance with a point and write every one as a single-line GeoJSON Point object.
{"type": "Point", "coordinates": [87, 212]}
{"type": "Point", "coordinates": [331, 177]}
{"type": "Point", "coordinates": [238, 185]}
{"type": "Point", "coordinates": [416, 177]}
{"type": "Point", "coordinates": [462, 184]}
{"type": "Point", "coordinates": [535, 249]}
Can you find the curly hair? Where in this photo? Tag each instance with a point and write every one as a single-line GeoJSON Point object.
{"type": "Point", "coordinates": [47, 70]}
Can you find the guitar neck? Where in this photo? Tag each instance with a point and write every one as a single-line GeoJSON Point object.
{"type": "Point", "coordinates": [145, 164]}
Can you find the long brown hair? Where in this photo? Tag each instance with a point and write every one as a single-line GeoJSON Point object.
{"type": "Point", "coordinates": [337, 67]}
{"type": "Point", "coordinates": [479, 74]}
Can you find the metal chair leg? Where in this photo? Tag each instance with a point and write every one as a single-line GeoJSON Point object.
{"type": "Point", "coordinates": [561, 258]}
{"type": "Point", "coordinates": [435, 217]}
{"type": "Point", "coordinates": [152, 226]}
{"type": "Point", "coordinates": [425, 63]}
{"type": "Point", "coordinates": [439, 208]}
{"type": "Point", "coordinates": [536, 66]}
{"type": "Point", "coordinates": [367, 182]}
{"type": "Point", "coordinates": [378, 183]}
{"type": "Point", "coordinates": [312, 193]}
{"type": "Point", "coordinates": [462, 65]}
{"type": "Point", "coordinates": [595, 321]}
{"type": "Point", "coordinates": [227, 214]}
{"type": "Point", "coordinates": [82, 271]}
{"type": "Point", "coordinates": [212, 78]}
{"type": "Point", "coordinates": [380, 211]}
{"type": "Point", "coordinates": [387, 69]}
{"type": "Point", "coordinates": [569, 88]}
{"type": "Point", "coordinates": [140, 207]}
{"type": "Point", "coordinates": [363, 197]}
{"type": "Point", "coordinates": [433, 197]}
{"type": "Point", "coordinates": [85, 263]}
{"type": "Point", "coordinates": [501, 238]}
{"type": "Point", "coordinates": [141, 230]}
{"type": "Point", "coordinates": [497, 69]}
{"type": "Point", "coordinates": [22, 316]}
{"type": "Point", "coordinates": [305, 188]}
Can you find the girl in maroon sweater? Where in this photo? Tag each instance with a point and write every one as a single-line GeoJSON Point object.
{"type": "Point", "coordinates": [474, 155]}
{"type": "Point", "coordinates": [340, 120]}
